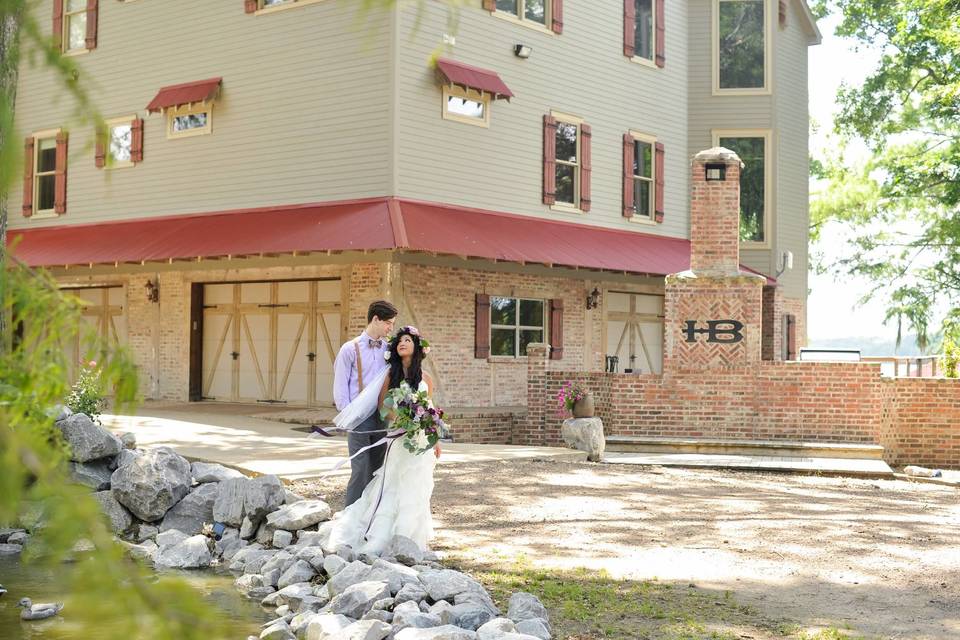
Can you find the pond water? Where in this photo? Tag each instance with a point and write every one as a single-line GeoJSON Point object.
{"type": "Point", "coordinates": [45, 585]}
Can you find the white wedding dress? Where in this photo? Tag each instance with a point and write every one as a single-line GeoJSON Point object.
{"type": "Point", "coordinates": [395, 502]}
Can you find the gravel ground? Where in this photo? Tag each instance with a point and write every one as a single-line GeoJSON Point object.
{"type": "Point", "coordinates": [875, 556]}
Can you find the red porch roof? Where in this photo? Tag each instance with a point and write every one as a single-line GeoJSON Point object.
{"type": "Point", "coordinates": [372, 224]}
{"type": "Point", "coordinates": [180, 94]}
{"type": "Point", "coordinates": [466, 75]}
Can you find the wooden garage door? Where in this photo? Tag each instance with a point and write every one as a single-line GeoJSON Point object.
{"type": "Point", "coordinates": [271, 341]}
{"type": "Point", "coordinates": [635, 331]}
{"type": "Point", "coordinates": [102, 314]}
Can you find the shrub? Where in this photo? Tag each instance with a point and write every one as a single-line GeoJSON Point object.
{"type": "Point", "coordinates": [86, 395]}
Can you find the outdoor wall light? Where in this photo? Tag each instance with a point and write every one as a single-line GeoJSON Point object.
{"type": "Point", "coordinates": [716, 172]}
{"type": "Point", "coordinates": [786, 262]}
{"type": "Point", "coordinates": [153, 291]}
{"type": "Point", "coordinates": [593, 299]}
{"type": "Point", "coordinates": [522, 51]}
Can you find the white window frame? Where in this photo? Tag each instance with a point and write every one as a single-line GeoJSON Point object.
{"type": "Point", "coordinates": [574, 207]}
{"type": "Point", "coordinates": [50, 134]}
{"type": "Point", "coordinates": [517, 327]}
{"type": "Point", "coordinates": [768, 30]}
{"type": "Point", "coordinates": [526, 22]}
{"type": "Point", "coordinates": [768, 160]}
{"type": "Point", "coordinates": [290, 4]}
{"type": "Point", "coordinates": [110, 162]}
{"type": "Point", "coordinates": [652, 141]}
{"type": "Point", "coordinates": [456, 91]}
{"type": "Point", "coordinates": [187, 109]}
{"type": "Point", "coordinates": [65, 36]}
{"type": "Point", "coordinates": [652, 60]}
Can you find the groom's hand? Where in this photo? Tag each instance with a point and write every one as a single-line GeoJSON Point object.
{"type": "Point", "coordinates": [436, 450]}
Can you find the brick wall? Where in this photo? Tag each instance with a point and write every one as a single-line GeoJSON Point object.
{"type": "Point", "coordinates": [715, 214]}
{"type": "Point", "coordinates": [772, 323]}
{"type": "Point", "coordinates": [798, 308]}
{"type": "Point", "coordinates": [487, 426]}
{"type": "Point", "coordinates": [922, 422]}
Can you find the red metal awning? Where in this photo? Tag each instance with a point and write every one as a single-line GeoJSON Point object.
{"type": "Point", "coordinates": [466, 75]}
{"type": "Point", "coordinates": [187, 93]}
{"type": "Point", "coordinates": [356, 225]}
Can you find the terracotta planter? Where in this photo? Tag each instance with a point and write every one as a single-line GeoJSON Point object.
{"type": "Point", "coordinates": [584, 408]}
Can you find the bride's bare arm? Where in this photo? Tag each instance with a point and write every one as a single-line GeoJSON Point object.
{"type": "Point", "coordinates": [383, 392]}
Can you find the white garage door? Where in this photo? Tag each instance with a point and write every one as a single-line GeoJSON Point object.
{"type": "Point", "coordinates": [271, 341]}
{"type": "Point", "coordinates": [635, 331]}
{"type": "Point", "coordinates": [103, 315]}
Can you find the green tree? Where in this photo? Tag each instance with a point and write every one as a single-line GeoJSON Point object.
{"type": "Point", "coordinates": [902, 204]}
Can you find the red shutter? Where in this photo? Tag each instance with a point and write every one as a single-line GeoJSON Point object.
{"type": "Point", "coordinates": [60, 184]}
{"type": "Point", "coordinates": [92, 13]}
{"type": "Point", "coordinates": [783, 13]}
{"type": "Point", "coordinates": [100, 153]}
{"type": "Point", "coordinates": [136, 142]}
{"type": "Point", "coordinates": [250, 6]}
{"type": "Point", "coordinates": [556, 329]}
{"type": "Point", "coordinates": [629, 27]}
{"type": "Point", "coordinates": [28, 162]}
{"type": "Point", "coordinates": [585, 166]}
{"type": "Point", "coordinates": [490, 5]}
{"type": "Point", "coordinates": [658, 187]}
{"type": "Point", "coordinates": [627, 175]}
{"type": "Point", "coordinates": [556, 16]}
{"type": "Point", "coordinates": [661, 29]}
{"type": "Point", "coordinates": [481, 340]}
{"type": "Point", "coordinates": [58, 24]}
{"type": "Point", "coordinates": [549, 160]}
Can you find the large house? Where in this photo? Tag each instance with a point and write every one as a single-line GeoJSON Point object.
{"type": "Point", "coordinates": [506, 171]}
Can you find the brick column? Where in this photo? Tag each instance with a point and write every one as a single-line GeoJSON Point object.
{"type": "Point", "coordinates": [713, 312]}
{"type": "Point", "coordinates": [532, 430]}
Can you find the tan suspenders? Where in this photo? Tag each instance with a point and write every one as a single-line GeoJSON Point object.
{"type": "Point", "coordinates": [356, 347]}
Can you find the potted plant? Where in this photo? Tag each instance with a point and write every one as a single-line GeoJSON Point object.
{"type": "Point", "coordinates": [576, 400]}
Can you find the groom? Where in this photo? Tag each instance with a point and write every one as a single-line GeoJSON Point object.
{"type": "Point", "coordinates": [360, 360]}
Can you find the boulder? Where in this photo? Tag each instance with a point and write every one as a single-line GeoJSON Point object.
{"type": "Point", "coordinates": [88, 440]}
{"type": "Point", "coordinates": [443, 609]}
{"type": "Point", "coordinates": [124, 458]}
{"type": "Point", "coordinates": [228, 507]}
{"type": "Point", "coordinates": [120, 518]}
{"type": "Point", "coordinates": [471, 616]}
{"type": "Point", "coordinates": [324, 625]}
{"type": "Point", "coordinates": [265, 533]}
{"type": "Point", "coordinates": [313, 555]}
{"type": "Point", "coordinates": [146, 532]}
{"type": "Point", "coordinates": [20, 538]}
{"type": "Point", "coordinates": [277, 561]}
{"type": "Point", "coordinates": [300, 622]}
{"type": "Point", "coordinates": [525, 606]}
{"type": "Point", "coordinates": [248, 582]}
{"type": "Point", "coordinates": [299, 515]}
{"type": "Point", "coordinates": [279, 630]}
{"type": "Point", "coordinates": [10, 549]}
{"type": "Point", "coordinates": [190, 514]}
{"type": "Point", "coordinates": [446, 632]}
{"type": "Point", "coordinates": [60, 412]}
{"type": "Point", "coordinates": [333, 564]}
{"type": "Point", "coordinates": [405, 550]}
{"type": "Point", "coordinates": [495, 628]}
{"type": "Point", "coordinates": [6, 532]}
{"type": "Point", "coordinates": [263, 495]}
{"type": "Point", "coordinates": [481, 599]}
{"type": "Point", "coordinates": [282, 539]}
{"type": "Point", "coordinates": [205, 472]}
{"type": "Point", "coordinates": [353, 573]}
{"type": "Point", "coordinates": [411, 592]}
{"type": "Point", "coordinates": [170, 538]}
{"type": "Point", "coordinates": [128, 440]}
{"type": "Point", "coordinates": [154, 482]}
{"type": "Point", "coordinates": [192, 553]}
{"type": "Point", "coordinates": [395, 575]}
{"type": "Point", "coordinates": [289, 497]}
{"type": "Point", "coordinates": [363, 630]}
{"type": "Point", "coordinates": [95, 474]}
{"type": "Point", "coordinates": [301, 571]}
{"type": "Point", "coordinates": [534, 627]}
{"type": "Point", "coordinates": [144, 551]}
{"type": "Point", "coordinates": [357, 599]}
{"type": "Point", "coordinates": [445, 584]}
{"type": "Point", "coordinates": [585, 434]}
{"type": "Point", "coordinates": [248, 529]}
{"type": "Point", "coordinates": [408, 614]}
{"type": "Point", "coordinates": [312, 538]}
{"type": "Point", "coordinates": [259, 593]}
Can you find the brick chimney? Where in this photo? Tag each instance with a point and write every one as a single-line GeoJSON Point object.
{"type": "Point", "coordinates": [715, 212]}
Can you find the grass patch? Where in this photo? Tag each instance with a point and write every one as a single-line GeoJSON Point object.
{"type": "Point", "coordinates": [828, 634]}
{"type": "Point", "coordinates": [591, 605]}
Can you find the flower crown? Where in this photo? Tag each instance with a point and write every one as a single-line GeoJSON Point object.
{"type": "Point", "coordinates": [424, 343]}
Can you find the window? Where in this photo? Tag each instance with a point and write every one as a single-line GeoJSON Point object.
{"type": "Point", "coordinates": [643, 178]}
{"type": "Point", "coordinates": [45, 179]}
{"type": "Point", "coordinates": [643, 29]}
{"type": "Point", "coordinates": [740, 42]}
{"type": "Point", "coordinates": [567, 156]}
{"type": "Point", "coordinates": [526, 10]}
{"type": "Point", "coordinates": [255, 6]}
{"type": "Point", "coordinates": [515, 323]}
{"type": "Point", "coordinates": [466, 105]}
{"type": "Point", "coordinates": [75, 25]}
{"type": "Point", "coordinates": [189, 120]}
{"type": "Point", "coordinates": [753, 149]}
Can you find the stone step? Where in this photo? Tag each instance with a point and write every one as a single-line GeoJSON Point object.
{"type": "Point", "coordinates": [765, 448]}
{"type": "Point", "coordinates": [849, 467]}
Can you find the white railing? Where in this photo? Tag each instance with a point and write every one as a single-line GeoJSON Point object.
{"type": "Point", "coordinates": [907, 366]}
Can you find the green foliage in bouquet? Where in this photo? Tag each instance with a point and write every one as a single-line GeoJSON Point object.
{"type": "Point", "coordinates": [414, 413]}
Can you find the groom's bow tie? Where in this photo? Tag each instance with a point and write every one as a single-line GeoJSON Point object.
{"type": "Point", "coordinates": [375, 344]}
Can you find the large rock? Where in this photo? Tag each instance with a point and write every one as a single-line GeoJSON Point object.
{"type": "Point", "coordinates": [301, 571]}
{"type": "Point", "coordinates": [88, 440]}
{"type": "Point", "coordinates": [150, 485]}
{"type": "Point", "coordinates": [124, 458]}
{"type": "Point", "coordinates": [264, 495]}
{"type": "Point", "coordinates": [408, 614]}
{"type": "Point", "coordinates": [446, 632]}
{"type": "Point", "coordinates": [445, 584]}
{"type": "Point", "coordinates": [363, 630]}
{"type": "Point", "coordinates": [170, 538]}
{"type": "Point", "coordinates": [120, 518]}
{"type": "Point", "coordinates": [145, 551]}
{"type": "Point", "coordinates": [395, 575]}
{"type": "Point", "coordinates": [411, 592]}
{"type": "Point", "coordinates": [279, 630]}
{"type": "Point", "coordinates": [534, 627]}
{"type": "Point", "coordinates": [192, 553]}
{"type": "Point", "coordinates": [495, 628]}
{"type": "Point", "coordinates": [357, 599]}
{"type": "Point", "coordinates": [351, 574]}
{"type": "Point", "coordinates": [299, 515]}
{"type": "Point", "coordinates": [10, 549]}
{"type": "Point", "coordinates": [190, 514]}
{"type": "Point", "coordinates": [471, 616]}
{"type": "Point", "coordinates": [204, 472]}
{"type": "Point", "coordinates": [325, 625]}
{"type": "Point", "coordinates": [525, 606]}
{"type": "Point", "coordinates": [228, 507]}
{"type": "Point", "coordinates": [95, 474]}
{"type": "Point", "coordinates": [585, 434]}
{"type": "Point", "coordinates": [405, 550]}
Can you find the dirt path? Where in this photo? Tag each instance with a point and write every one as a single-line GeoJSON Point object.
{"type": "Point", "coordinates": [878, 557]}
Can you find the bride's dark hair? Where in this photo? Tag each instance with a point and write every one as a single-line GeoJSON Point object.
{"type": "Point", "coordinates": [414, 373]}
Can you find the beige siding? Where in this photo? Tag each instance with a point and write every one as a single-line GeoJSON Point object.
{"type": "Point", "coordinates": [303, 115]}
{"type": "Point", "coordinates": [582, 72]}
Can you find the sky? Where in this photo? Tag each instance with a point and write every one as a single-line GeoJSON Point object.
{"type": "Point", "coordinates": [832, 310]}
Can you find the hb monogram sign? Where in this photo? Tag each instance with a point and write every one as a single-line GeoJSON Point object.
{"type": "Point", "coordinates": [719, 331]}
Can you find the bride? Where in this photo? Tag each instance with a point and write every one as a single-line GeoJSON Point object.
{"type": "Point", "coordinates": [397, 499]}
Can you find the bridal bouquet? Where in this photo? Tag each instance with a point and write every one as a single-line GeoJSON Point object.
{"type": "Point", "coordinates": [414, 413]}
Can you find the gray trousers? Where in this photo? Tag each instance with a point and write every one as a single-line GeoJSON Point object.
{"type": "Point", "coordinates": [364, 465]}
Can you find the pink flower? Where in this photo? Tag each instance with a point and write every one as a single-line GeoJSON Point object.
{"type": "Point", "coordinates": [93, 363]}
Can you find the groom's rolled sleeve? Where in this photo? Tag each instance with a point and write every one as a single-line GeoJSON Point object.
{"type": "Point", "coordinates": [342, 367]}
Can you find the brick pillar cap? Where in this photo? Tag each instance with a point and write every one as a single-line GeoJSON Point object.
{"type": "Point", "coordinates": [718, 154]}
